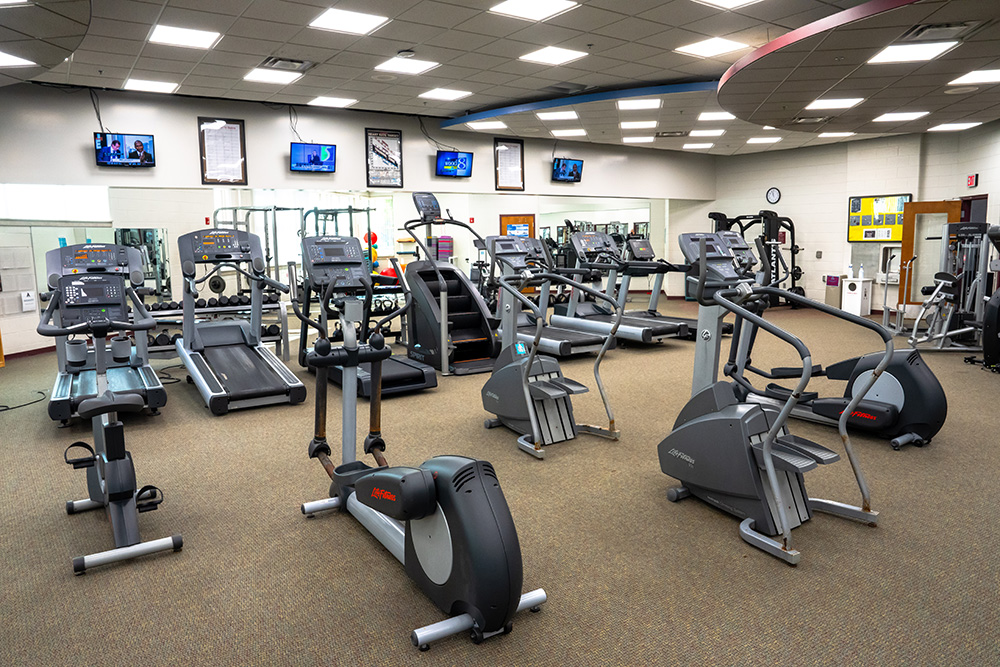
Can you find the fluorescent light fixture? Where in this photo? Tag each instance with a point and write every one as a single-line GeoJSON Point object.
{"type": "Point", "coordinates": [911, 53]}
{"type": "Point", "coordinates": [533, 10]}
{"type": "Point", "coordinates": [638, 140]}
{"type": "Point", "coordinates": [706, 133]}
{"type": "Point", "coordinates": [635, 105]}
{"type": "Point", "coordinates": [696, 147]}
{"type": "Point", "coordinates": [186, 37]}
{"type": "Point", "coordinates": [727, 4]}
{"type": "Point", "coordinates": [716, 115]}
{"type": "Point", "coordinates": [980, 76]}
{"type": "Point", "coordinates": [769, 127]}
{"type": "Point", "coordinates": [763, 140]}
{"type": "Point", "coordinates": [557, 115]}
{"type": "Point", "coordinates": [353, 23]}
{"type": "Point", "coordinates": [7, 60]}
{"type": "Point", "coordinates": [406, 66]}
{"type": "Point", "coordinates": [151, 86]}
{"type": "Point", "coordinates": [953, 127]}
{"type": "Point", "coordinates": [260, 75]}
{"type": "Point", "coordinates": [637, 124]}
{"type": "Point", "coordinates": [900, 117]}
{"type": "Point", "coordinates": [575, 132]}
{"type": "Point", "coordinates": [12, 3]}
{"type": "Point", "coordinates": [445, 94]}
{"type": "Point", "coordinates": [715, 46]}
{"type": "Point", "coordinates": [336, 102]}
{"type": "Point", "coordinates": [845, 103]}
{"type": "Point", "coordinates": [488, 125]}
{"type": "Point", "coordinates": [835, 135]}
{"type": "Point", "coordinates": [553, 55]}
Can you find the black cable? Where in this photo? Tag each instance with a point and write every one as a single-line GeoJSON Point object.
{"type": "Point", "coordinates": [165, 377]}
{"type": "Point", "coordinates": [96, 102]}
{"type": "Point", "coordinates": [6, 408]}
{"type": "Point", "coordinates": [293, 121]}
{"type": "Point", "coordinates": [554, 144]}
{"type": "Point", "coordinates": [434, 142]}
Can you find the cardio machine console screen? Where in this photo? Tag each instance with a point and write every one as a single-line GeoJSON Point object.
{"type": "Point", "coordinates": [91, 257]}
{"type": "Point", "coordinates": [427, 205]}
{"type": "Point", "coordinates": [592, 242]}
{"type": "Point", "coordinates": [641, 249]}
{"type": "Point", "coordinates": [91, 297]}
{"type": "Point", "coordinates": [337, 258]}
{"type": "Point", "coordinates": [217, 245]}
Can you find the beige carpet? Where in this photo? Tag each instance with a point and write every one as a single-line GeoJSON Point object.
{"type": "Point", "coordinates": [632, 578]}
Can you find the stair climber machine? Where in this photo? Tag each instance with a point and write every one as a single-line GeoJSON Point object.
{"type": "Point", "coordinates": [736, 455]}
{"type": "Point", "coordinates": [598, 253]}
{"type": "Point", "coordinates": [991, 317]}
{"type": "Point", "coordinates": [446, 520]}
{"type": "Point", "coordinates": [97, 304]}
{"type": "Point", "coordinates": [528, 392]}
{"type": "Point", "coordinates": [451, 327]}
{"type": "Point", "coordinates": [225, 359]}
{"type": "Point", "coordinates": [322, 264]}
{"type": "Point", "coordinates": [76, 379]}
{"type": "Point", "coordinates": [642, 262]}
{"type": "Point", "coordinates": [906, 405]}
{"type": "Point", "coordinates": [555, 341]}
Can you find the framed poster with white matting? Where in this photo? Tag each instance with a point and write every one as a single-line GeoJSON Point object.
{"type": "Point", "coordinates": [223, 147]}
{"type": "Point", "coordinates": [384, 158]}
{"type": "Point", "coordinates": [508, 158]}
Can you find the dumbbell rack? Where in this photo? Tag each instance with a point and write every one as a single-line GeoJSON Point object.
{"type": "Point", "coordinates": [279, 309]}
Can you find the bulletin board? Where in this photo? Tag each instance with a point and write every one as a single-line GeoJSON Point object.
{"type": "Point", "coordinates": [876, 218]}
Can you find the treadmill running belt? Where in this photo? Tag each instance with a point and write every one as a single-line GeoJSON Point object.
{"type": "Point", "coordinates": [395, 373]}
{"type": "Point", "coordinates": [558, 333]}
{"type": "Point", "coordinates": [122, 380]}
{"type": "Point", "coordinates": [243, 373]}
{"type": "Point", "coordinates": [658, 328]}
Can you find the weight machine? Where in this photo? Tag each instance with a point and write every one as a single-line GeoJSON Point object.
{"type": "Point", "coordinates": [772, 226]}
{"type": "Point", "coordinates": [271, 263]}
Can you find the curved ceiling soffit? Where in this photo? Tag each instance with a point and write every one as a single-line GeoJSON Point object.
{"type": "Point", "coordinates": [45, 32]}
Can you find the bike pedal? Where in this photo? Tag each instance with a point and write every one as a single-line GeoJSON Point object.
{"type": "Point", "coordinates": [155, 496]}
{"type": "Point", "coordinates": [82, 462]}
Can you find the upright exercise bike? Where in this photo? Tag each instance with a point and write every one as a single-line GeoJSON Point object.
{"type": "Point", "coordinates": [94, 304]}
{"type": "Point", "coordinates": [447, 520]}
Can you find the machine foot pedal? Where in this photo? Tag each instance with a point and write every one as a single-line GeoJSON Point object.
{"type": "Point", "coordinates": [148, 498]}
{"type": "Point", "coordinates": [570, 386]}
{"type": "Point", "coordinates": [83, 461]}
{"type": "Point", "coordinates": [807, 448]}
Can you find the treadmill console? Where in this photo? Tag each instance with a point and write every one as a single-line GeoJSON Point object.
{"type": "Point", "coordinates": [509, 250]}
{"type": "Point", "coordinates": [427, 206]}
{"type": "Point", "coordinates": [92, 297]}
{"type": "Point", "coordinates": [219, 246]}
{"type": "Point", "coordinates": [718, 258]}
{"type": "Point", "coordinates": [336, 258]}
{"type": "Point", "coordinates": [589, 244]}
{"type": "Point", "coordinates": [93, 258]}
{"type": "Point", "coordinates": [739, 247]}
{"type": "Point", "coordinates": [640, 249]}
{"type": "Point", "coordinates": [535, 248]}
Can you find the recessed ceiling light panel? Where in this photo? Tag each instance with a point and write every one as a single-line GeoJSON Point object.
{"type": "Point", "coordinates": [260, 75]}
{"type": "Point", "coordinates": [533, 10]}
{"type": "Point", "coordinates": [635, 105]}
{"type": "Point", "coordinates": [557, 115]}
{"type": "Point", "coordinates": [900, 117]}
{"type": "Point", "coordinates": [12, 3]}
{"type": "Point", "coordinates": [763, 140]}
{"type": "Point", "coordinates": [844, 103]}
{"type": "Point", "coordinates": [553, 55]}
{"type": "Point", "coordinates": [406, 66]}
{"type": "Point", "coordinates": [706, 133]}
{"type": "Point", "coordinates": [446, 94]}
{"type": "Point", "coordinates": [980, 76]}
{"type": "Point", "coordinates": [727, 4]}
{"type": "Point", "coordinates": [637, 124]}
{"type": "Point", "coordinates": [835, 135]}
{"type": "Point", "coordinates": [186, 37]}
{"type": "Point", "coordinates": [151, 86]}
{"type": "Point", "coordinates": [7, 60]}
{"type": "Point", "coordinates": [715, 46]}
{"type": "Point", "coordinates": [487, 125]}
{"type": "Point", "coordinates": [336, 102]}
{"type": "Point", "coordinates": [716, 115]}
{"type": "Point", "coordinates": [575, 132]}
{"type": "Point", "coordinates": [953, 127]}
{"type": "Point", "coordinates": [912, 53]}
{"type": "Point", "coordinates": [638, 140]}
{"type": "Point", "coordinates": [696, 147]}
{"type": "Point", "coordinates": [353, 23]}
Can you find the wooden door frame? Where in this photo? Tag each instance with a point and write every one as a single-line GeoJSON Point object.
{"type": "Point", "coordinates": [952, 208]}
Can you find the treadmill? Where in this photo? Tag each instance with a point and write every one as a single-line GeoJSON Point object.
{"type": "Point", "coordinates": [555, 341]}
{"type": "Point", "coordinates": [642, 262]}
{"type": "Point", "coordinates": [597, 253]}
{"type": "Point", "coordinates": [76, 379]}
{"type": "Point", "coordinates": [328, 257]}
{"type": "Point", "coordinates": [225, 359]}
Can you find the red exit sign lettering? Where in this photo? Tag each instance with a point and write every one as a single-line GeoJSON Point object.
{"type": "Point", "coordinates": [972, 180]}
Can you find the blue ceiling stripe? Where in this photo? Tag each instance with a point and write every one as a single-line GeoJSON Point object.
{"type": "Point", "coordinates": [700, 87]}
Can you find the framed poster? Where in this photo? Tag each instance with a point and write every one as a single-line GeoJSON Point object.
{"type": "Point", "coordinates": [876, 218]}
{"type": "Point", "coordinates": [223, 146]}
{"type": "Point", "coordinates": [517, 225]}
{"type": "Point", "coordinates": [384, 158]}
{"type": "Point", "coordinates": [508, 158]}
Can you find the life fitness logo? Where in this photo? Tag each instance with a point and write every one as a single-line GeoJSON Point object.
{"type": "Point", "coordinates": [383, 494]}
{"type": "Point", "coordinates": [863, 415]}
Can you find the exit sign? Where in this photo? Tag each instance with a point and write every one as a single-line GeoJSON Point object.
{"type": "Point", "coordinates": [972, 180]}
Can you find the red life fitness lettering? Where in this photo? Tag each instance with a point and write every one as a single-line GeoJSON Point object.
{"type": "Point", "coordinates": [383, 494]}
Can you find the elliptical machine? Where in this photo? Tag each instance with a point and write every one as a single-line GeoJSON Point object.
{"type": "Point", "coordinates": [528, 392]}
{"type": "Point", "coordinates": [446, 520]}
{"type": "Point", "coordinates": [720, 445]}
{"type": "Point", "coordinates": [95, 304]}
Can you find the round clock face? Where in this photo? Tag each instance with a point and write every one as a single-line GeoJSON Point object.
{"type": "Point", "coordinates": [773, 195]}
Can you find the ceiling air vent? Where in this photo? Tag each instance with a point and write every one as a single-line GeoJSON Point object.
{"type": "Point", "coordinates": [671, 134]}
{"type": "Point", "coordinates": [815, 120]}
{"type": "Point", "coordinates": [939, 31]}
{"type": "Point", "coordinates": [286, 64]}
{"type": "Point", "coordinates": [565, 88]}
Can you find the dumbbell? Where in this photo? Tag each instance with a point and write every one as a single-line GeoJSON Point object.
{"type": "Point", "coordinates": [173, 339]}
{"type": "Point", "coordinates": [244, 300]}
{"type": "Point", "coordinates": [273, 329]}
{"type": "Point", "coordinates": [174, 305]}
{"type": "Point", "coordinates": [200, 303]}
{"type": "Point", "coordinates": [150, 340]}
{"type": "Point", "coordinates": [163, 339]}
{"type": "Point", "coordinates": [223, 300]}
{"type": "Point", "coordinates": [213, 302]}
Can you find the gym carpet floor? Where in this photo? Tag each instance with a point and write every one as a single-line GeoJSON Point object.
{"type": "Point", "coordinates": [631, 578]}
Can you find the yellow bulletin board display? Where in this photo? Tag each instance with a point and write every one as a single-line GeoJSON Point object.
{"type": "Point", "coordinates": [877, 218]}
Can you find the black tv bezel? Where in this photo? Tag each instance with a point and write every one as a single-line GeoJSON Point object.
{"type": "Point", "coordinates": [311, 171]}
{"type": "Point", "coordinates": [141, 165]}
{"type": "Point", "coordinates": [566, 180]}
{"type": "Point", "coordinates": [472, 160]}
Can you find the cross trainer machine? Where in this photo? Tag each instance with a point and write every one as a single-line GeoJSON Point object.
{"type": "Point", "coordinates": [95, 304]}
{"type": "Point", "coordinates": [526, 391]}
{"type": "Point", "coordinates": [226, 360]}
{"type": "Point", "coordinates": [446, 520]}
{"type": "Point", "coordinates": [739, 456]}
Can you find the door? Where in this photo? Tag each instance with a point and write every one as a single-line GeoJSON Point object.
{"type": "Point", "coordinates": [517, 225]}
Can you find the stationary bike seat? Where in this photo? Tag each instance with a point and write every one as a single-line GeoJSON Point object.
{"type": "Point", "coordinates": [110, 401]}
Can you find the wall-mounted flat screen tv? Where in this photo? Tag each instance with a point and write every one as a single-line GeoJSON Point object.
{"type": "Point", "coordinates": [313, 157]}
{"type": "Point", "coordinates": [124, 150]}
{"type": "Point", "coordinates": [567, 170]}
{"type": "Point", "coordinates": [454, 163]}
